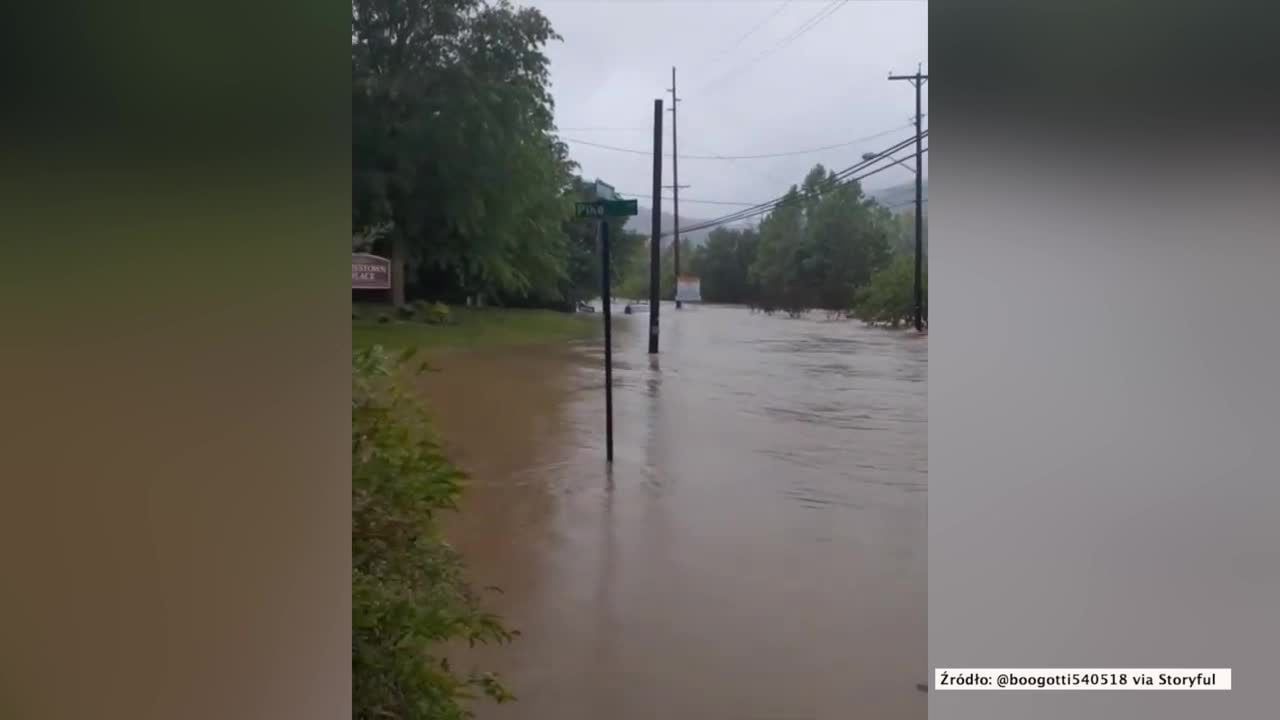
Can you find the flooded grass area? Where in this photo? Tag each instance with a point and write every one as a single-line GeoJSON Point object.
{"type": "Point", "coordinates": [468, 328]}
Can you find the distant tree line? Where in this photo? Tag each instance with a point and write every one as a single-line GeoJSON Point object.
{"type": "Point", "coordinates": [826, 246]}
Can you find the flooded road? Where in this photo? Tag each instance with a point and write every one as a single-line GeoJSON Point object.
{"type": "Point", "coordinates": [757, 551]}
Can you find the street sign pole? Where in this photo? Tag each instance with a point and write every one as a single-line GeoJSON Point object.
{"type": "Point", "coordinates": [606, 205]}
{"type": "Point", "coordinates": [608, 338]}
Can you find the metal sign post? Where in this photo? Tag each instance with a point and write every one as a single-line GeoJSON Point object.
{"type": "Point", "coordinates": [608, 339]}
{"type": "Point", "coordinates": [602, 210]}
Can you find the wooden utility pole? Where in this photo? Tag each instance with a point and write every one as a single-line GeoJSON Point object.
{"type": "Point", "coordinates": [918, 80]}
{"type": "Point", "coordinates": [655, 244]}
{"type": "Point", "coordinates": [675, 187]}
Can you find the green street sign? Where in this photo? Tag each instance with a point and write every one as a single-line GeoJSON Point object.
{"type": "Point", "coordinates": [606, 208]}
{"type": "Point", "coordinates": [621, 208]}
{"type": "Point", "coordinates": [588, 210]}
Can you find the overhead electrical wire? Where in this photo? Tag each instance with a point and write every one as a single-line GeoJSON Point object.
{"type": "Point", "coordinates": [782, 6]}
{"type": "Point", "coordinates": [827, 11]}
{"type": "Point", "coordinates": [803, 28]}
{"type": "Point", "coordinates": [760, 156]}
{"type": "Point", "coordinates": [602, 146]}
{"type": "Point", "coordinates": [688, 200]}
{"type": "Point", "coordinates": [602, 129]}
{"type": "Point", "coordinates": [744, 215]}
{"type": "Point", "coordinates": [830, 10]}
{"type": "Point", "coordinates": [896, 161]}
{"type": "Point", "coordinates": [901, 161]}
{"type": "Point", "coordinates": [750, 213]}
{"type": "Point", "coordinates": [765, 207]}
{"type": "Point", "coordinates": [842, 178]}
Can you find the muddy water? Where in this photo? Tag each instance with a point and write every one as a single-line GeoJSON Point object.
{"type": "Point", "coordinates": [757, 550]}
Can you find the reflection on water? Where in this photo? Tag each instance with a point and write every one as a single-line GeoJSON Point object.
{"type": "Point", "coordinates": [757, 549]}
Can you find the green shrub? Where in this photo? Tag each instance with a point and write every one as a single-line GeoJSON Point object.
{"type": "Point", "coordinates": [384, 318]}
{"type": "Point", "coordinates": [408, 592]}
{"type": "Point", "coordinates": [437, 314]}
{"type": "Point", "coordinates": [405, 312]}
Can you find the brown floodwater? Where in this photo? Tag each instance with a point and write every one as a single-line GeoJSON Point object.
{"type": "Point", "coordinates": [757, 550]}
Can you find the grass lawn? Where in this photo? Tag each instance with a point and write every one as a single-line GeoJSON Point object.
{"type": "Point", "coordinates": [471, 328]}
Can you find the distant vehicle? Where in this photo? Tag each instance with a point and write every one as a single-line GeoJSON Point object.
{"type": "Point", "coordinates": [636, 308]}
{"type": "Point", "coordinates": [586, 307]}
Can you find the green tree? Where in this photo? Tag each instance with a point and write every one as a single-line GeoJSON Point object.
{"type": "Point", "coordinates": [822, 242]}
{"type": "Point", "coordinates": [848, 238]}
{"type": "Point", "coordinates": [724, 264]}
{"type": "Point", "coordinates": [634, 281]}
{"type": "Point", "coordinates": [408, 592]}
{"type": "Point", "coordinates": [889, 299]}
{"type": "Point", "coordinates": [904, 233]}
{"type": "Point", "coordinates": [453, 146]}
{"type": "Point", "coordinates": [775, 270]}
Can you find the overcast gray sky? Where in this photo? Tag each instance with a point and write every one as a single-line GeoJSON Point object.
{"type": "Point", "coordinates": [750, 95]}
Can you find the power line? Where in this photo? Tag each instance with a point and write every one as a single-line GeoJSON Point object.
{"type": "Point", "coordinates": [900, 161]}
{"type": "Point", "coordinates": [831, 10]}
{"type": "Point", "coordinates": [624, 193]}
{"type": "Point", "coordinates": [684, 199]}
{"type": "Point", "coordinates": [733, 203]}
{"type": "Point", "coordinates": [842, 178]}
{"type": "Point", "coordinates": [603, 129]}
{"type": "Point", "coordinates": [757, 26]}
{"type": "Point", "coordinates": [764, 211]}
{"type": "Point", "coordinates": [803, 28]}
{"type": "Point", "coordinates": [602, 146]}
{"type": "Point", "coordinates": [827, 11]}
{"type": "Point", "coordinates": [772, 204]}
{"type": "Point", "coordinates": [762, 156]}
{"type": "Point", "coordinates": [767, 207]}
